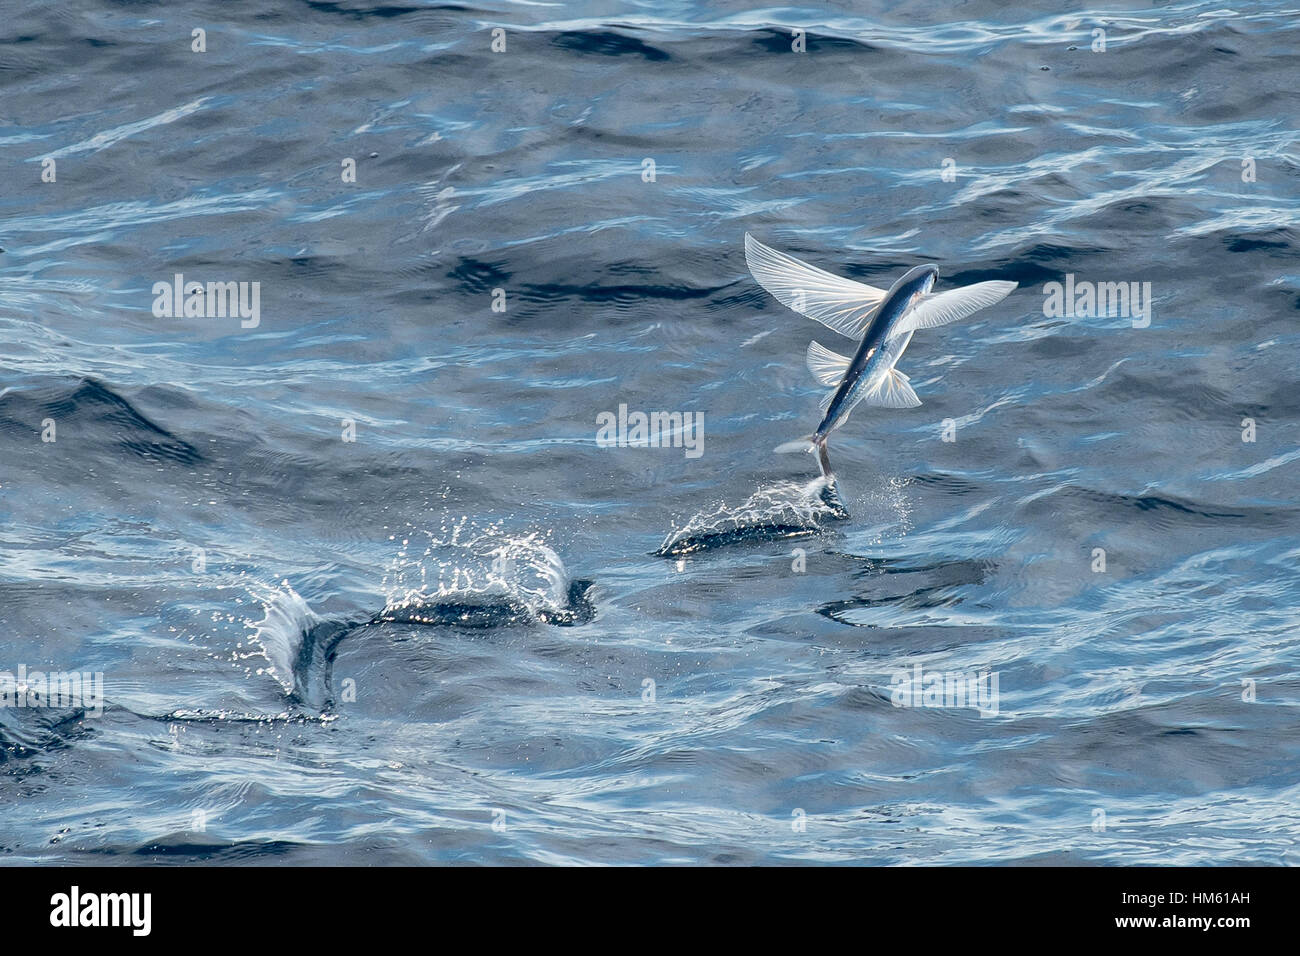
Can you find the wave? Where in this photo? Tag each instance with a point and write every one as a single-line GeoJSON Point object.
{"type": "Point", "coordinates": [27, 733]}
{"type": "Point", "coordinates": [92, 412]}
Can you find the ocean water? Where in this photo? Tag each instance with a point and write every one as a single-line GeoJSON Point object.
{"type": "Point", "coordinates": [364, 588]}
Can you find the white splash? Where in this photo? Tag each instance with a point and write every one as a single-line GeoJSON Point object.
{"type": "Point", "coordinates": [286, 620]}
{"type": "Point", "coordinates": [467, 566]}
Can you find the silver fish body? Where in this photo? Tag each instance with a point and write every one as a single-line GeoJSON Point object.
{"type": "Point", "coordinates": [877, 355]}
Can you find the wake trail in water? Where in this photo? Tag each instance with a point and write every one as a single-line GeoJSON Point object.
{"type": "Point", "coordinates": [787, 509]}
{"type": "Point", "coordinates": [463, 578]}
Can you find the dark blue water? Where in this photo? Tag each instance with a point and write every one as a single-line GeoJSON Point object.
{"type": "Point", "coordinates": [473, 634]}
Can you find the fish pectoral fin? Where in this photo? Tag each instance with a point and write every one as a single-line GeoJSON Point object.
{"type": "Point", "coordinates": [945, 307]}
{"type": "Point", "coordinates": [893, 391]}
{"type": "Point", "coordinates": [826, 366]}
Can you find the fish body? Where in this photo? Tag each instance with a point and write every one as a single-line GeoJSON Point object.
{"type": "Point", "coordinates": [873, 363]}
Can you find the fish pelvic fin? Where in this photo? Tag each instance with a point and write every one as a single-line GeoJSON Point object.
{"type": "Point", "coordinates": [826, 366]}
{"type": "Point", "coordinates": [893, 391]}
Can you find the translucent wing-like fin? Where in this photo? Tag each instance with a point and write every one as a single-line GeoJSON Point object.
{"type": "Point", "coordinates": [893, 391]}
{"type": "Point", "coordinates": [826, 366]}
{"type": "Point", "coordinates": [945, 307]}
{"type": "Point", "coordinates": [839, 304]}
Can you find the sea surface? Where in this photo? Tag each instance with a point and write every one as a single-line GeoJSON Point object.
{"type": "Point", "coordinates": [362, 585]}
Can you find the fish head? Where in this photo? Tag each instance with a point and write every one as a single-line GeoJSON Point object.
{"type": "Point", "coordinates": [916, 282]}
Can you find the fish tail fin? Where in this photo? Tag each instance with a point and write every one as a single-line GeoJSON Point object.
{"type": "Point", "coordinates": [810, 443]}
{"type": "Point", "coordinates": [807, 443]}
{"type": "Point", "coordinates": [824, 460]}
